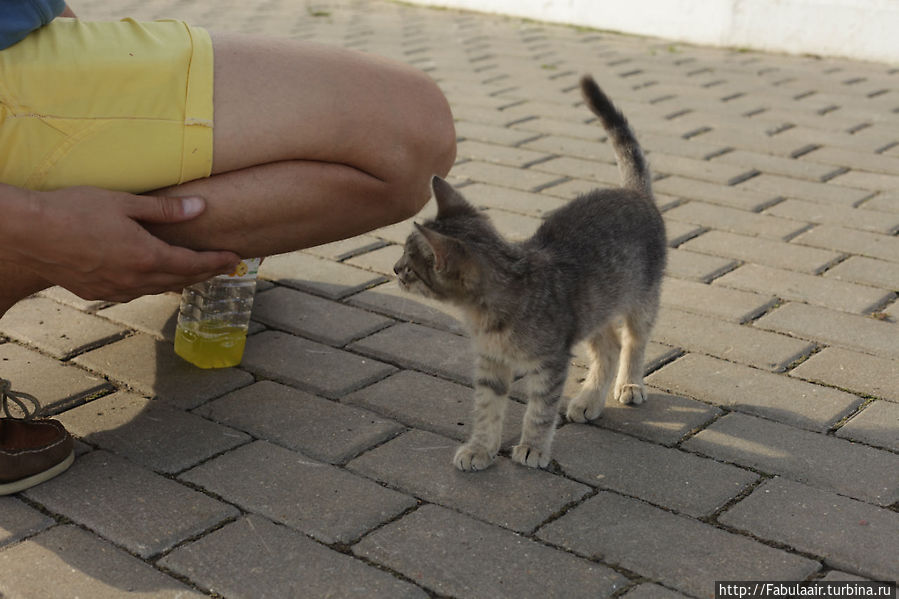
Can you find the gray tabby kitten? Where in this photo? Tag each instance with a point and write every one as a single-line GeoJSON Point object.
{"type": "Point", "coordinates": [592, 272]}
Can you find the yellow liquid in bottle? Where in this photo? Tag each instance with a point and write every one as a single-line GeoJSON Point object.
{"type": "Point", "coordinates": [210, 344]}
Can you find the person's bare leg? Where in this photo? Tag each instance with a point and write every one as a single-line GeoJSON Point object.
{"type": "Point", "coordinates": [312, 144]}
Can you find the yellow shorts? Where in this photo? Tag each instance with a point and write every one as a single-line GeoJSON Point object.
{"type": "Point", "coordinates": [120, 105]}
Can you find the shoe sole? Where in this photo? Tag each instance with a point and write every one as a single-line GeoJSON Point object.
{"type": "Point", "coordinates": [36, 479]}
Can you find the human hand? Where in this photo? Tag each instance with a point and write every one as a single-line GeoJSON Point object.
{"type": "Point", "coordinates": [91, 242]}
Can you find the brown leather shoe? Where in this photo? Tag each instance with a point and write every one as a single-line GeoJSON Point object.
{"type": "Point", "coordinates": [31, 450]}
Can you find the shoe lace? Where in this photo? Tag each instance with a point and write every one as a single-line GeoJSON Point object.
{"type": "Point", "coordinates": [20, 399]}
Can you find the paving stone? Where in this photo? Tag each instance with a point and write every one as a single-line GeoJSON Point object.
{"type": "Point", "coordinates": [662, 418]}
{"type": "Point", "coordinates": [64, 296]}
{"type": "Point", "coordinates": [499, 154]}
{"type": "Point", "coordinates": [857, 536]}
{"type": "Point", "coordinates": [426, 402]}
{"type": "Point", "coordinates": [67, 561]}
{"type": "Point", "coordinates": [805, 190]}
{"type": "Point", "coordinates": [778, 254]}
{"type": "Point", "coordinates": [310, 366]}
{"type": "Point", "coordinates": [649, 590]}
{"type": "Point", "coordinates": [55, 385]}
{"type": "Point", "coordinates": [589, 170]}
{"type": "Point", "coordinates": [505, 176]}
{"type": "Point", "coordinates": [867, 271]}
{"type": "Point", "coordinates": [18, 520]}
{"type": "Point", "coordinates": [320, 500]}
{"type": "Point", "coordinates": [346, 248]}
{"type": "Point", "coordinates": [381, 260]}
{"type": "Point", "coordinates": [511, 200]}
{"type": "Point", "coordinates": [319, 319]}
{"type": "Point", "coordinates": [679, 232]}
{"type": "Point", "coordinates": [851, 218]}
{"type": "Point", "coordinates": [755, 391]}
{"type": "Point", "coordinates": [884, 247]}
{"type": "Point", "coordinates": [728, 340]}
{"type": "Point", "coordinates": [491, 133]}
{"type": "Point", "coordinates": [461, 545]}
{"type": "Point", "coordinates": [141, 511]}
{"type": "Point", "coordinates": [867, 161]}
{"type": "Point", "coordinates": [859, 373]}
{"type": "Point", "coordinates": [155, 315]}
{"type": "Point", "coordinates": [790, 285]}
{"type": "Point", "coordinates": [301, 271]}
{"type": "Point", "coordinates": [695, 147]}
{"type": "Point", "coordinates": [152, 368]}
{"type": "Point", "coordinates": [866, 180]}
{"type": "Point", "coordinates": [729, 304]}
{"type": "Point", "coordinates": [506, 494]}
{"type": "Point", "coordinates": [675, 550]}
{"type": "Point", "coordinates": [150, 433]}
{"type": "Point", "coordinates": [776, 165]}
{"type": "Point", "coordinates": [514, 227]}
{"type": "Point", "coordinates": [438, 352]}
{"type": "Point", "coordinates": [56, 329]}
{"type": "Point", "coordinates": [389, 299]}
{"type": "Point", "coordinates": [684, 169]}
{"type": "Point", "coordinates": [712, 193]}
{"type": "Point", "coordinates": [319, 428]}
{"type": "Point", "coordinates": [589, 149]}
{"type": "Point", "coordinates": [253, 558]}
{"type": "Point", "coordinates": [735, 220]}
{"type": "Point", "coordinates": [877, 424]}
{"type": "Point", "coordinates": [683, 264]}
{"type": "Point", "coordinates": [661, 475]}
{"type": "Point", "coordinates": [818, 460]}
{"type": "Point", "coordinates": [852, 331]}
{"type": "Point", "coordinates": [882, 202]}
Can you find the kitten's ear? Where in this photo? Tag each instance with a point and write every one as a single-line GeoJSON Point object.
{"type": "Point", "coordinates": [442, 246]}
{"type": "Point", "coordinates": [449, 201]}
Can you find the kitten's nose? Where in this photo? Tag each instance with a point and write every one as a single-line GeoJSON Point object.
{"type": "Point", "coordinates": [397, 268]}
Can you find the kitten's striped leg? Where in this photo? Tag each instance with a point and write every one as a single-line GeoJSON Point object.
{"type": "Point", "coordinates": [634, 337]}
{"type": "Point", "coordinates": [539, 426]}
{"type": "Point", "coordinates": [491, 390]}
{"type": "Point", "coordinates": [603, 348]}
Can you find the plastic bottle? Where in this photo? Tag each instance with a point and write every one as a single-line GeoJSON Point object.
{"type": "Point", "coordinates": [214, 317]}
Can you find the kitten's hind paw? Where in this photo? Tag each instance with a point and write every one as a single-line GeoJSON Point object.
{"type": "Point", "coordinates": [527, 455]}
{"type": "Point", "coordinates": [631, 394]}
{"type": "Point", "coordinates": [470, 458]}
{"type": "Point", "coordinates": [583, 411]}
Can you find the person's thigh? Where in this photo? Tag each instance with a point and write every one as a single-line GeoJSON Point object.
{"type": "Point", "coordinates": [278, 100]}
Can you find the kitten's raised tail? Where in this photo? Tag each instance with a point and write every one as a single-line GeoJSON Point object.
{"type": "Point", "coordinates": [631, 162]}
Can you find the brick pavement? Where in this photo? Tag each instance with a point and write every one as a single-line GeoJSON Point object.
{"type": "Point", "coordinates": [768, 448]}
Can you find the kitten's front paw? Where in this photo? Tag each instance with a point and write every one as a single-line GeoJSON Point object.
{"type": "Point", "coordinates": [583, 409]}
{"type": "Point", "coordinates": [527, 455]}
{"type": "Point", "coordinates": [470, 458]}
{"type": "Point", "coordinates": [631, 394]}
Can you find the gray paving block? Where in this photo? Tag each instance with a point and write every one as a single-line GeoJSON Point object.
{"type": "Point", "coordinates": [380, 260]}
{"type": "Point", "coordinates": [506, 494]}
{"type": "Point", "coordinates": [345, 248]}
{"type": "Point", "coordinates": [859, 373]}
{"type": "Point", "coordinates": [310, 366]}
{"type": "Point", "coordinates": [56, 329]}
{"type": "Point", "coordinates": [675, 550]}
{"type": "Point", "coordinates": [67, 561]}
{"type": "Point", "coordinates": [511, 200]}
{"type": "Point", "coordinates": [755, 391]}
{"type": "Point", "coordinates": [776, 165]}
{"type": "Point", "coordinates": [254, 558]}
{"type": "Point", "coordinates": [759, 250]}
{"type": "Point", "coordinates": [812, 191]}
{"type": "Point", "coordinates": [320, 500]}
{"type": "Point", "coordinates": [155, 315]}
{"type": "Point", "coordinates": [151, 433]}
{"type": "Point", "coordinates": [851, 331]}
{"type": "Point", "coordinates": [789, 285]}
{"type": "Point", "coordinates": [734, 220]}
{"type": "Point", "coordinates": [853, 535]}
{"type": "Point", "coordinates": [318, 319]}
{"type": "Point", "coordinates": [64, 296]}
{"type": "Point", "coordinates": [851, 218]}
{"type": "Point", "coordinates": [421, 348]}
{"type": "Point", "coordinates": [714, 193]}
{"type": "Point", "coordinates": [512, 226]}
{"type": "Point", "coordinates": [877, 424]}
{"type": "Point", "coordinates": [686, 171]}
{"type": "Point", "coordinates": [141, 511]}
{"type": "Point", "coordinates": [684, 264]}
{"type": "Point", "coordinates": [867, 271]}
{"type": "Point", "coordinates": [460, 547]}
{"type": "Point", "coordinates": [316, 275]}
{"type": "Point", "coordinates": [660, 475]}
{"type": "Point", "coordinates": [499, 154]}
{"type": "Point", "coordinates": [729, 304]}
{"type": "Point", "coordinates": [56, 386]}
{"type": "Point", "coordinates": [649, 590]}
{"type": "Point", "coordinates": [18, 520]}
{"type": "Point", "coordinates": [815, 459]}
{"type": "Point", "coordinates": [504, 176]}
{"type": "Point", "coordinates": [320, 428]}
{"type": "Point", "coordinates": [152, 368]}
{"type": "Point", "coordinates": [831, 237]}
{"type": "Point", "coordinates": [422, 401]}
{"type": "Point", "coordinates": [728, 340]}
{"type": "Point", "coordinates": [662, 418]}
{"type": "Point", "coordinates": [389, 299]}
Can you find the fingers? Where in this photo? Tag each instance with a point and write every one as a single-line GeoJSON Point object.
{"type": "Point", "coordinates": [161, 209]}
